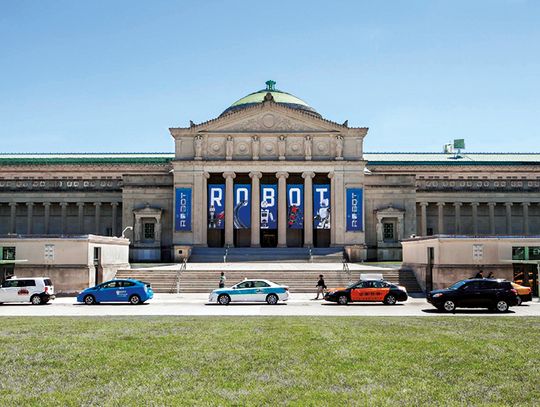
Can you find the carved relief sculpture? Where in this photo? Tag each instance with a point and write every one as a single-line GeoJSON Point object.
{"type": "Point", "coordinates": [339, 147]}
{"type": "Point", "coordinates": [281, 147]}
{"type": "Point", "coordinates": [255, 147]}
{"type": "Point", "coordinates": [198, 147]}
{"type": "Point", "coordinates": [307, 147]}
{"type": "Point", "coordinates": [229, 148]}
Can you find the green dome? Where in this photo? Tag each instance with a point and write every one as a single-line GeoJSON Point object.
{"type": "Point", "coordinates": [282, 98]}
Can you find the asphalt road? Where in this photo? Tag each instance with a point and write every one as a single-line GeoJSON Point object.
{"type": "Point", "coordinates": [299, 304]}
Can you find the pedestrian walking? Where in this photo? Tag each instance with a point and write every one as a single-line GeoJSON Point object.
{"type": "Point", "coordinates": [480, 274]}
{"type": "Point", "coordinates": [321, 286]}
{"type": "Point", "coordinates": [490, 275]}
{"type": "Point", "coordinates": [222, 280]}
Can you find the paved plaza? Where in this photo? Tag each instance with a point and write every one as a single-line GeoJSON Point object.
{"type": "Point", "coordinates": [196, 305]}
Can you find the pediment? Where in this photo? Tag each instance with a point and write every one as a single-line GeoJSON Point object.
{"type": "Point", "coordinates": [270, 119]}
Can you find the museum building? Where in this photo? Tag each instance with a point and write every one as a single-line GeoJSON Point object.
{"type": "Point", "coordinates": [270, 171]}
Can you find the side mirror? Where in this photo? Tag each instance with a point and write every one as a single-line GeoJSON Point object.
{"type": "Point", "coordinates": [234, 288]}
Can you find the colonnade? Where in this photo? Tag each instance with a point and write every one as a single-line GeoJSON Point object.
{"type": "Point", "coordinates": [63, 216]}
{"type": "Point", "coordinates": [458, 229]}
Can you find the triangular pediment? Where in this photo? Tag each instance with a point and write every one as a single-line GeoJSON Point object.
{"type": "Point", "coordinates": [269, 118]}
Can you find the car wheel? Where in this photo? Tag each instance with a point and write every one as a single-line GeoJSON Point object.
{"type": "Point", "coordinates": [343, 300]}
{"type": "Point", "coordinates": [272, 299]}
{"type": "Point", "coordinates": [35, 300]}
{"type": "Point", "coordinates": [519, 301]}
{"type": "Point", "coordinates": [449, 306]}
{"type": "Point", "coordinates": [89, 300]}
{"type": "Point", "coordinates": [390, 300]}
{"type": "Point", "coordinates": [502, 306]}
{"type": "Point", "coordinates": [224, 299]}
{"type": "Point", "coordinates": [135, 300]}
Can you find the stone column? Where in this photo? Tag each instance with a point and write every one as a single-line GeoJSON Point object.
{"type": "Point", "coordinates": [332, 178]}
{"type": "Point", "coordinates": [63, 214]}
{"type": "Point", "coordinates": [114, 217]}
{"type": "Point", "coordinates": [508, 206]}
{"type": "Point", "coordinates": [81, 217]}
{"type": "Point", "coordinates": [255, 208]}
{"type": "Point", "coordinates": [474, 207]}
{"type": "Point", "coordinates": [491, 206]}
{"type": "Point", "coordinates": [13, 217]}
{"type": "Point", "coordinates": [457, 206]}
{"type": "Point", "coordinates": [525, 218]}
{"type": "Point", "coordinates": [282, 208]}
{"type": "Point", "coordinates": [423, 218]}
{"type": "Point", "coordinates": [97, 217]}
{"type": "Point", "coordinates": [47, 215]}
{"type": "Point", "coordinates": [308, 208]}
{"type": "Point", "coordinates": [29, 216]}
{"type": "Point", "coordinates": [229, 207]}
{"type": "Point", "coordinates": [440, 218]}
{"type": "Point", "coordinates": [204, 234]}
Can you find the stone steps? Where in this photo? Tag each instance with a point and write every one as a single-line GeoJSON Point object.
{"type": "Point", "coordinates": [269, 255]}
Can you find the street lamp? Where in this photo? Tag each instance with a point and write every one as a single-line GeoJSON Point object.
{"type": "Point", "coordinates": [126, 229]}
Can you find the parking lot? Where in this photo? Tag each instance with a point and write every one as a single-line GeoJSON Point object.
{"type": "Point", "coordinates": [298, 305]}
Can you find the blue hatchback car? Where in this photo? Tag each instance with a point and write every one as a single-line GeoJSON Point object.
{"type": "Point", "coordinates": [132, 291]}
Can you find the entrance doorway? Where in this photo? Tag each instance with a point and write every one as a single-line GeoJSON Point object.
{"type": "Point", "coordinates": [215, 237]}
{"type": "Point", "coordinates": [321, 237]}
{"type": "Point", "coordinates": [242, 237]}
{"type": "Point", "coordinates": [269, 238]}
{"type": "Point", "coordinates": [526, 275]}
{"type": "Point", "coordinates": [429, 268]}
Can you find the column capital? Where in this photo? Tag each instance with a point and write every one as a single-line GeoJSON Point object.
{"type": "Point", "coordinates": [97, 204]}
{"type": "Point", "coordinates": [439, 204]}
{"type": "Point", "coordinates": [114, 203]}
{"type": "Point", "coordinates": [46, 204]}
{"type": "Point", "coordinates": [29, 204]}
{"type": "Point", "coordinates": [492, 204]}
{"type": "Point", "coordinates": [308, 174]}
{"type": "Point", "coordinates": [331, 175]}
{"type": "Point", "coordinates": [524, 204]}
{"type": "Point", "coordinates": [508, 204]}
{"type": "Point", "coordinates": [63, 204]}
{"type": "Point", "coordinates": [282, 174]}
{"type": "Point", "coordinates": [475, 203]}
{"type": "Point", "coordinates": [457, 204]}
{"type": "Point", "coordinates": [13, 204]}
{"type": "Point", "coordinates": [424, 204]}
{"type": "Point", "coordinates": [80, 204]}
{"type": "Point", "coordinates": [206, 174]}
{"type": "Point", "coordinates": [229, 174]}
{"type": "Point", "coordinates": [255, 174]}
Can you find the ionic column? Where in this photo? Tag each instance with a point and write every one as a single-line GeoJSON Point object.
{"type": "Point", "coordinates": [308, 208]}
{"type": "Point", "coordinates": [332, 178]}
{"type": "Point", "coordinates": [525, 217]}
{"type": "Point", "coordinates": [491, 206]}
{"type": "Point", "coordinates": [474, 207]}
{"type": "Point", "coordinates": [440, 218]}
{"type": "Point", "coordinates": [97, 217]}
{"type": "Point", "coordinates": [204, 232]}
{"type": "Point", "coordinates": [114, 215]}
{"type": "Point", "coordinates": [47, 215]}
{"type": "Point", "coordinates": [63, 214]}
{"type": "Point", "coordinates": [229, 207]}
{"type": "Point", "coordinates": [423, 218]}
{"type": "Point", "coordinates": [457, 206]}
{"type": "Point", "coordinates": [30, 206]}
{"type": "Point", "coordinates": [12, 217]}
{"type": "Point", "coordinates": [282, 208]}
{"type": "Point", "coordinates": [255, 208]}
{"type": "Point", "coordinates": [81, 217]}
{"type": "Point", "coordinates": [508, 206]}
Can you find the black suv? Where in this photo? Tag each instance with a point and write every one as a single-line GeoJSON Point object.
{"type": "Point", "coordinates": [497, 295]}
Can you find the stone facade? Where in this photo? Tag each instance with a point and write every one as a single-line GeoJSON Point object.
{"type": "Point", "coordinates": [404, 194]}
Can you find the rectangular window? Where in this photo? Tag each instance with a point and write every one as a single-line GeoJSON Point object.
{"type": "Point", "coordinates": [149, 233]}
{"type": "Point", "coordinates": [8, 253]}
{"type": "Point", "coordinates": [388, 231]}
{"type": "Point", "coordinates": [518, 253]}
{"type": "Point", "coordinates": [534, 253]}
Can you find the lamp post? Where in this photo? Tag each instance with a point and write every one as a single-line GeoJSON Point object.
{"type": "Point", "coordinates": [125, 230]}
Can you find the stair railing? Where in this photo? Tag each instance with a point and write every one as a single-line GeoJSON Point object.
{"type": "Point", "coordinates": [310, 255]}
{"type": "Point", "coordinates": [183, 267]}
{"type": "Point", "coordinates": [226, 254]}
{"type": "Point", "coordinates": [347, 271]}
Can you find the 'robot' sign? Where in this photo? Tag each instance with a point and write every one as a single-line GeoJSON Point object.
{"type": "Point", "coordinates": [321, 206]}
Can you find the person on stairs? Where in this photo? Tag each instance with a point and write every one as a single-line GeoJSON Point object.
{"type": "Point", "coordinates": [321, 286]}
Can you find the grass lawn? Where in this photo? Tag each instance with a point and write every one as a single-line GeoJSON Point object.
{"type": "Point", "coordinates": [272, 360]}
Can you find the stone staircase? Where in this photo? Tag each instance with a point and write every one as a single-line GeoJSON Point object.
{"type": "Point", "coordinates": [161, 277]}
{"type": "Point", "coordinates": [298, 280]}
{"type": "Point", "coordinates": [266, 255]}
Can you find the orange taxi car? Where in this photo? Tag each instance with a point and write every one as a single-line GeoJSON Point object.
{"type": "Point", "coordinates": [524, 293]}
{"type": "Point", "coordinates": [368, 291]}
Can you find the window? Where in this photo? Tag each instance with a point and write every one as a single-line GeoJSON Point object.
{"type": "Point", "coordinates": [26, 283]}
{"type": "Point", "coordinates": [388, 231]}
{"type": "Point", "coordinates": [534, 253]}
{"type": "Point", "coordinates": [125, 284]}
{"type": "Point", "coordinates": [47, 282]}
{"type": "Point", "coordinates": [259, 284]}
{"type": "Point", "coordinates": [8, 253]}
{"type": "Point", "coordinates": [10, 283]}
{"type": "Point", "coordinates": [379, 284]}
{"type": "Point", "coordinates": [149, 231]}
{"type": "Point", "coordinates": [518, 253]}
{"type": "Point", "coordinates": [245, 284]}
{"type": "Point", "coordinates": [112, 284]}
{"type": "Point", "coordinates": [429, 231]}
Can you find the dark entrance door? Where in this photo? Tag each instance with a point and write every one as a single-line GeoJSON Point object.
{"type": "Point", "coordinates": [429, 268]}
{"type": "Point", "coordinates": [526, 275]}
{"type": "Point", "coordinates": [268, 238]}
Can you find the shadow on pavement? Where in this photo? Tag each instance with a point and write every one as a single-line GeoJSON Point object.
{"type": "Point", "coordinates": [465, 311]}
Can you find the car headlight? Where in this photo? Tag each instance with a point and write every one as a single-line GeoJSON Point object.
{"type": "Point", "coordinates": [437, 295]}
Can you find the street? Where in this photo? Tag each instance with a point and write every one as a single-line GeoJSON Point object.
{"type": "Point", "coordinates": [298, 305]}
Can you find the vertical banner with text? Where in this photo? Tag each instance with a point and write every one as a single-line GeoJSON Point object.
{"type": "Point", "coordinates": [269, 193]}
{"type": "Point", "coordinates": [295, 206]}
{"type": "Point", "coordinates": [321, 206]}
{"type": "Point", "coordinates": [216, 206]}
{"type": "Point", "coordinates": [242, 206]}
{"type": "Point", "coordinates": [354, 209]}
{"type": "Point", "coordinates": [182, 217]}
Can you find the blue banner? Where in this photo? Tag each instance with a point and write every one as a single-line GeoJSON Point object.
{"type": "Point", "coordinates": [295, 206]}
{"type": "Point", "coordinates": [216, 206]}
{"type": "Point", "coordinates": [269, 194]}
{"type": "Point", "coordinates": [242, 206]}
{"type": "Point", "coordinates": [354, 209]}
{"type": "Point", "coordinates": [182, 217]}
{"type": "Point", "coordinates": [321, 206]}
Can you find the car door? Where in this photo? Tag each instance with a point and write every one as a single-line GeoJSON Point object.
{"type": "Point", "coordinates": [261, 290]}
{"type": "Point", "coordinates": [380, 289]}
{"type": "Point", "coordinates": [8, 291]}
{"type": "Point", "coordinates": [124, 289]}
{"type": "Point", "coordinates": [488, 294]}
{"type": "Point", "coordinates": [107, 292]}
{"type": "Point", "coordinates": [242, 292]}
{"type": "Point", "coordinates": [470, 295]}
{"type": "Point", "coordinates": [26, 288]}
{"type": "Point", "coordinates": [361, 291]}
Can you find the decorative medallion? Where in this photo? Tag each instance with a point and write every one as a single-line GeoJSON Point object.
{"type": "Point", "coordinates": [268, 147]}
{"type": "Point", "coordinates": [268, 120]}
{"type": "Point", "coordinates": [242, 148]}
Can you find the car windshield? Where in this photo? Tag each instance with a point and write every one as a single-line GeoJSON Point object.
{"type": "Point", "coordinates": [457, 285]}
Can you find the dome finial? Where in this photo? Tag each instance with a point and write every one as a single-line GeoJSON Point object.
{"type": "Point", "coordinates": [270, 85]}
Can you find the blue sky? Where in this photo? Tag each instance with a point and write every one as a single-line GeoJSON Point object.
{"type": "Point", "coordinates": [107, 76]}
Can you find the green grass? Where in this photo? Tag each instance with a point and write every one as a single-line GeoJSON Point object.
{"type": "Point", "coordinates": [272, 360]}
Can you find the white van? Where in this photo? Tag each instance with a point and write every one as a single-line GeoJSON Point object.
{"type": "Point", "coordinates": [37, 290]}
